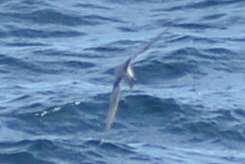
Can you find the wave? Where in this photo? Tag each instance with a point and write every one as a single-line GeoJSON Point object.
{"type": "Point", "coordinates": [164, 69]}
{"type": "Point", "coordinates": [202, 4]}
{"type": "Point", "coordinates": [183, 119]}
{"type": "Point", "coordinates": [21, 65]}
{"type": "Point", "coordinates": [51, 67]}
{"type": "Point", "coordinates": [50, 16]}
{"type": "Point", "coordinates": [33, 33]}
{"type": "Point", "coordinates": [110, 146]}
{"type": "Point", "coordinates": [57, 62]}
{"type": "Point", "coordinates": [21, 157]}
{"type": "Point", "coordinates": [192, 38]}
{"type": "Point", "coordinates": [92, 6]}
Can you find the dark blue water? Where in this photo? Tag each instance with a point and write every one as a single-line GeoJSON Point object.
{"type": "Point", "coordinates": [56, 75]}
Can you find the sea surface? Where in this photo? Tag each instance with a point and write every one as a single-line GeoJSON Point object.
{"type": "Point", "coordinates": [57, 61]}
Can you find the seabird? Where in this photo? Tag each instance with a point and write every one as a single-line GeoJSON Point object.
{"type": "Point", "coordinates": [124, 72]}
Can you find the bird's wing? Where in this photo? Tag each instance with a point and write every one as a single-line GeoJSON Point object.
{"type": "Point", "coordinates": [148, 45]}
{"type": "Point", "coordinates": [115, 96]}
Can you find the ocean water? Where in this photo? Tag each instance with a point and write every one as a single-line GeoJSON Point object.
{"type": "Point", "coordinates": [56, 74]}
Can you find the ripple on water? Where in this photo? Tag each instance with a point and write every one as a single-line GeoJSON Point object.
{"type": "Point", "coordinates": [57, 62]}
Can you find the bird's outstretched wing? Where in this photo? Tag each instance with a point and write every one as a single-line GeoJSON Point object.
{"type": "Point", "coordinates": [115, 96]}
{"type": "Point", "coordinates": [148, 45]}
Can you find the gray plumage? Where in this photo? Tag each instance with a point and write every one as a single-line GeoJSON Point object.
{"type": "Point", "coordinates": [124, 72]}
